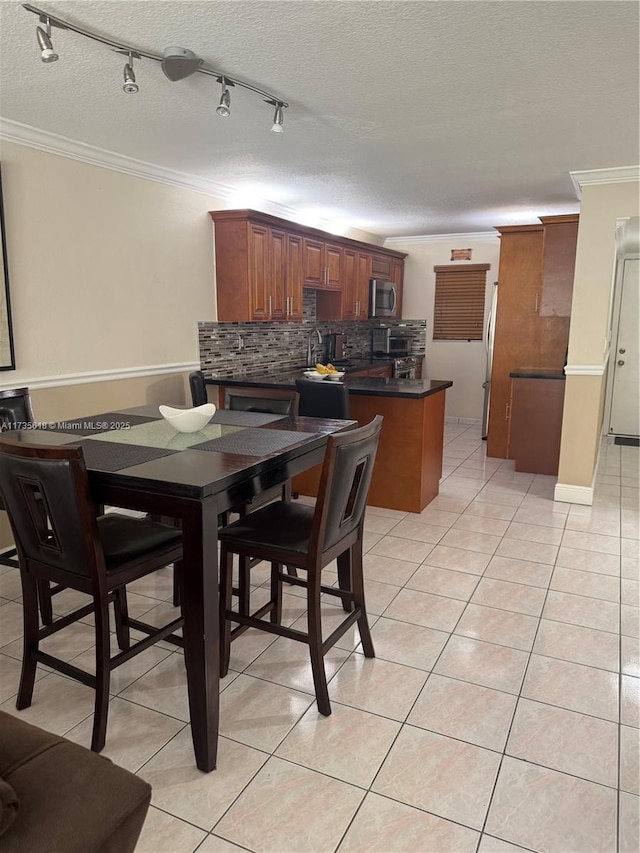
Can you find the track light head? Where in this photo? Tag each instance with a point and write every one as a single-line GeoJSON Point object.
{"type": "Point", "coordinates": [278, 119]}
{"type": "Point", "coordinates": [47, 53]}
{"type": "Point", "coordinates": [130, 86]}
{"type": "Point", "coordinates": [224, 107]}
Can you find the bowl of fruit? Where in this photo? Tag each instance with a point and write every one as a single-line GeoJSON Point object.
{"type": "Point", "coordinates": [322, 371]}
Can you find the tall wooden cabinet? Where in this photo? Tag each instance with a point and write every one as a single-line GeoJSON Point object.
{"type": "Point", "coordinates": [263, 263]}
{"type": "Point", "coordinates": [533, 315]}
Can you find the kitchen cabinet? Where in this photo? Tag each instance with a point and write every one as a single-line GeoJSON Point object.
{"type": "Point", "coordinates": [356, 269]}
{"type": "Point", "coordinates": [536, 270]}
{"type": "Point", "coordinates": [537, 400]}
{"type": "Point", "coordinates": [322, 265]}
{"type": "Point", "coordinates": [264, 262]}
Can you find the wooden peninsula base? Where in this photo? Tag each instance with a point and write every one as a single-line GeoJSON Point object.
{"type": "Point", "coordinates": [409, 461]}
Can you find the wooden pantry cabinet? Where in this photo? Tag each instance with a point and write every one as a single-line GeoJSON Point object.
{"type": "Point", "coordinates": [263, 263]}
{"type": "Point", "coordinates": [533, 315]}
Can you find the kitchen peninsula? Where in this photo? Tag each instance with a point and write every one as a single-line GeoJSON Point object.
{"type": "Point", "coordinates": [409, 461]}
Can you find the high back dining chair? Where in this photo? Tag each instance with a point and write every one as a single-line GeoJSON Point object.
{"type": "Point", "coordinates": [324, 399]}
{"type": "Point", "coordinates": [60, 538]}
{"type": "Point", "coordinates": [15, 409]}
{"type": "Point", "coordinates": [309, 538]}
{"type": "Point", "coordinates": [273, 401]}
{"type": "Point", "coordinates": [198, 388]}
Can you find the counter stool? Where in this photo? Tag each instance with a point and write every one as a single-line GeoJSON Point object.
{"type": "Point", "coordinates": [294, 534]}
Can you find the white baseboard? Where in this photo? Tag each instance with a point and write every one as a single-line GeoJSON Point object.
{"type": "Point", "coordinates": [573, 494]}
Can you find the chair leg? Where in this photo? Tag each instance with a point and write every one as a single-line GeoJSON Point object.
{"type": "Point", "coordinates": [344, 579]}
{"type": "Point", "coordinates": [45, 599]}
{"type": "Point", "coordinates": [121, 611]}
{"type": "Point", "coordinates": [226, 586]}
{"type": "Point", "coordinates": [30, 640]}
{"type": "Point", "coordinates": [357, 581]}
{"type": "Point", "coordinates": [315, 646]}
{"type": "Point", "coordinates": [276, 593]}
{"type": "Point", "coordinates": [103, 672]}
{"type": "Point", "coordinates": [177, 584]}
{"type": "Point", "coordinates": [244, 585]}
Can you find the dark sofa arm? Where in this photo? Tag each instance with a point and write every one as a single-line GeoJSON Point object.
{"type": "Point", "coordinates": [70, 800]}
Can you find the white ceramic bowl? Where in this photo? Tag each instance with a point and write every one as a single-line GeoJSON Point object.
{"type": "Point", "coordinates": [188, 420]}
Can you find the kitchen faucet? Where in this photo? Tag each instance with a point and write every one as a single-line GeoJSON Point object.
{"type": "Point", "coordinates": [311, 346]}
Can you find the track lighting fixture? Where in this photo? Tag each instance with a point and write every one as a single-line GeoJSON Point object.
{"type": "Point", "coordinates": [47, 53]}
{"type": "Point", "coordinates": [278, 118]}
{"type": "Point", "coordinates": [130, 86]}
{"type": "Point", "coordinates": [224, 107]}
{"type": "Point", "coordinates": [177, 63]}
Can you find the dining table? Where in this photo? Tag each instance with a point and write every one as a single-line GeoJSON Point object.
{"type": "Point", "coordinates": [136, 460]}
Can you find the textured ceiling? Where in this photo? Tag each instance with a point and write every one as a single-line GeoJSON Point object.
{"type": "Point", "coordinates": [405, 118]}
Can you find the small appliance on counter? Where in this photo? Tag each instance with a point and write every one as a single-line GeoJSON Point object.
{"type": "Point", "coordinates": [385, 344]}
{"type": "Point", "coordinates": [334, 348]}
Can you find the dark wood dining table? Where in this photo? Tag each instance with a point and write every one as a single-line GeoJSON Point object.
{"type": "Point", "coordinates": [136, 460]}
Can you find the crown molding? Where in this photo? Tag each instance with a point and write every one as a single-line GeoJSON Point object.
{"type": "Point", "coordinates": [476, 236]}
{"type": "Point", "coordinates": [616, 175]}
{"type": "Point", "coordinates": [63, 380]}
{"type": "Point", "coordinates": [63, 146]}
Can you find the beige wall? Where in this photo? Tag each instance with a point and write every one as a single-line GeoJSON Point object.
{"type": "Point", "coordinates": [602, 205]}
{"type": "Point", "coordinates": [106, 271]}
{"type": "Point", "coordinates": [461, 361]}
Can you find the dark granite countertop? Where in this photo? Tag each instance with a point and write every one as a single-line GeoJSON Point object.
{"type": "Point", "coordinates": [372, 386]}
{"type": "Point", "coordinates": [537, 373]}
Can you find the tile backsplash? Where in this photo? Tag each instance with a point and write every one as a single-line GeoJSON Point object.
{"type": "Point", "coordinates": [229, 349]}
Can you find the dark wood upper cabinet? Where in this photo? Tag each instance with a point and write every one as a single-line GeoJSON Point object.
{"type": "Point", "coordinates": [263, 263]}
{"type": "Point", "coordinates": [559, 249]}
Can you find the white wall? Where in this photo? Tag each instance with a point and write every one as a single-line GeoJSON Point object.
{"type": "Point", "coordinates": [461, 361]}
{"type": "Point", "coordinates": [107, 271]}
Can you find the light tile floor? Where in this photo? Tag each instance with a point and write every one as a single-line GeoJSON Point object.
{"type": "Point", "coordinates": [502, 710]}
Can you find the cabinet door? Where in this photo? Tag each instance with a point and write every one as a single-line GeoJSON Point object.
{"type": "Point", "coordinates": [277, 292]}
{"type": "Point", "coordinates": [559, 251]}
{"type": "Point", "coordinates": [384, 370]}
{"type": "Point", "coordinates": [295, 276]}
{"type": "Point", "coordinates": [259, 271]}
{"type": "Point", "coordinates": [381, 266]}
{"type": "Point", "coordinates": [333, 264]}
{"type": "Point", "coordinates": [363, 275]}
{"type": "Point", "coordinates": [349, 282]}
{"type": "Point", "coordinates": [397, 277]}
{"type": "Point", "coordinates": [314, 269]}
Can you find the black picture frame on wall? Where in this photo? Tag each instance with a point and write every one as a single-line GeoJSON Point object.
{"type": "Point", "coordinates": [7, 353]}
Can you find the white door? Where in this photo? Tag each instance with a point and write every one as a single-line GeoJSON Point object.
{"type": "Point", "coordinates": [625, 403]}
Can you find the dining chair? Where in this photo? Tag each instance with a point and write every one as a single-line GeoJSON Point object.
{"type": "Point", "coordinates": [273, 401]}
{"type": "Point", "coordinates": [198, 388]}
{"type": "Point", "coordinates": [70, 544]}
{"type": "Point", "coordinates": [323, 399]}
{"type": "Point", "coordinates": [16, 411]}
{"type": "Point", "coordinates": [309, 538]}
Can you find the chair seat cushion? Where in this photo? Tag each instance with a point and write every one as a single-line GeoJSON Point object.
{"type": "Point", "coordinates": [125, 538]}
{"type": "Point", "coordinates": [285, 525]}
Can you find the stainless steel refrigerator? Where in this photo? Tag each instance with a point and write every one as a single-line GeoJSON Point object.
{"type": "Point", "coordinates": [489, 336]}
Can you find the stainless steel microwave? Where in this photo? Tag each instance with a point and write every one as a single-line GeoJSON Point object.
{"type": "Point", "coordinates": [383, 298]}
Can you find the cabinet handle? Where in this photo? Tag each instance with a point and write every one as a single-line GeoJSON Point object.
{"type": "Point", "coordinates": [287, 306]}
{"type": "Point", "coordinates": [537, 298]}
{"type": "Point", "coordinates": [506, 411]}
{"type": "Point", "coordinates": [326, 275]}
{"type": "Point", "coordinates": [269, 305]}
